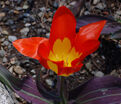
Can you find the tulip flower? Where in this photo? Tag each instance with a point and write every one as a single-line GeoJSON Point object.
{"type": "Point", "coordinates": [65, 50]}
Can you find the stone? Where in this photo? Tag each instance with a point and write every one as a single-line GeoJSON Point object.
{"type": "Point", "coordinates": [43, 69]}
{"type": "Point", "coordinates": [34, 76]}
{"type": "Point", "coordinates": [40, 14]}
{"type": "Point", "coordinates": [96, 1]}
{"type": "Point", "coordinates": [47, 35]}
{"type": "Point", "coordinates": [99, 74]}
{"type": "Point", "coordinates": [6, 43]}
{"type": "Point", "coordinates": [86, 12]}
{"type": "Point", "coordinates": [33, 71]}
{"type": "Point", "coordinates": [7, 2]}
{"type": "Point", "coordinates": [49, 82]}
{"type": "Point", "coordinates": [88, 65]}
{"type": "Point", "coordinates": [42, 9]}
{"type": "Point", "coordinates": [103, 57]}
{"type": "Point", "coordinates": [5, 59]}
{"type": "Point", "coordinates": [18, 70]}
{"type": "Point", "coordinates": [25, 6]}
{"type": "Point", "coordinates": [27, 24]}
{"type": "Point", "coordinates": [18, 8]}
{"type": "Point", "coordinates": [13, 60]}
{"type": "Point", "coordinates": [2, 39]}
{"type": "Point", "coordinates": [49, 19]}
{"type": "Point", "coordinates": [9, 22]}
{"type": "Point", "coordinates": [5, 96]}
{"type": "Point", "coordinates": [11, 69]}
{"type": "Point", "coordinates": [73, 3]}
{"type": "Point", "coordinates": [24, 31]}
{"type": "Point", "coordinates": [5, 32]}
{"type": "Point", "coordinates": [2, 14]}
{"type": "Point", "coordinates": [118, 12]}
{"type": "Point", "coordinates": [100, 6]}
{"type": "Point", "coordinates": [12, 38]}
{"type": "Point", "coordinates": [2, 53]}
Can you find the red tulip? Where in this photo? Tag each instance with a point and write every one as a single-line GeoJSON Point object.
{"type": "Point", "coordinates": [65, 50]}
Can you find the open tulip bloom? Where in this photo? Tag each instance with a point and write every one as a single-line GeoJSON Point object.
{"type": "Point", "coordinates": [65, 50]}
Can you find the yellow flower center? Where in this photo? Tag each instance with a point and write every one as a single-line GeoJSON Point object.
{"type": "Point", "coordinates": [63, 51]}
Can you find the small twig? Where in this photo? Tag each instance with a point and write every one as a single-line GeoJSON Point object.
{"type": "Point", "coordinates": [44, 11]}
{"type": "Point", "coordinates": [95, 64]}
{"type": "Point", "coordinates": [88, 70]}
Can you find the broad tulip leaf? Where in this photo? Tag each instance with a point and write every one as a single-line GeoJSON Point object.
{"type": "Point", "coordinates": [110, 28]}
{"type": "Point", "coordinates": [30, 92]}
{"type": "Point", "coordinates": [7, 78]}
{"type": "Point", "coordinates": [116, 35]}
{"type": "Point", "coordinates": [25, 88]}
{"type": "Point", "coordinates": [77, 7]}
{"type": "Point", "coordinates": [103, 90]}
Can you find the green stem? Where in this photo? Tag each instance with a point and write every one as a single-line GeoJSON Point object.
{"type": "Point", "coordinates": [62, 93]}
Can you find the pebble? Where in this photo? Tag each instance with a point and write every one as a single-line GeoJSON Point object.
{"type": "Point", "coordinates": [40, 14]}
{"type": "Point", "coordinates": [6, 43]}
{"type": "Point", "coordinates": [18, 8]}
{"type": "Point", "coordinates": [88, 65]}
{"type": "Point", "coordinates": [11, 69]}
{"type": "Point", "coordinates": [19, 1]}
{"type": "Point", "coordinates": [27, 24]}
{"type": "Point", "coordinates": [100, 6]}
{"type": "Point", "coordinates": [6, 96]}
{"type": "Point", "coordinates": [5, 32]}
{"type": "Point", "coordinates": [114, 73]}
{"type": "Point", "coordinates": [2, 14]}
{"type": "Point", "coordinates": [34, 76]}
{"type": "Point", "coordinates": [9, 22]}
{"type": "Point", "coordinates": [25, 6]}
{"type": "Point", "coordinates": [96, 1]}
{"type": "Point", "coordinates": [55, 4]}
{"type": "Point", "coordinates": [13, 60]}
{"type": "Point", "coordinates": [42, 9]}
{"type": "Point", "coordinates": [24, 31]}
{"type": "Point", "coordinates": [5, 59]}
{"type": "Point", "coordinates": [49, 19]}
{"type": "Point", "coordinates": [18, 70]}
{"type": "Point", "coordinates": [86, 13]}
{"type": "Point", "coordinates": [12, 38]}
{"type": "Point", "coordinates": [2, 40]}
{"type": "Point", "coordinates": [51, 73]}
{"type": "Point", "coordinates": [2, 53]}
{"type": "Point", "coordinates": [49, 82]}
{"type": "Point", "coordinates": [72, 3]}
{"type": "Point", "coordinates": [103, 57]}
{"type": "Point", "coordinates": [47, 35]}
{"type": "Point", "coordinates": [16, 11]}
{"type": "Point", "coordinates": [26, 14]}
{"type": "Point", "coordinates": [43, 70]}
{"type": "Point", "coordinates": [118, 12]}
{"type": "Point", "coordinates": [98, 74]}
{"type": "Point", "coordinates": [7, 2]}
{"type": "Point", "coordinates": [33, 71]}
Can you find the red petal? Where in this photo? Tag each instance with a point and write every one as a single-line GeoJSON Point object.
{"type": "Point", "coordinates": [63, 25]}
{"type": "Point", "coordinates": [29, 46]}
{"type": "Point", "coordinates": [44, 49]}
{"type": "Point", "coordinates": [66, 71]}
{"type": "Point", "coordinates": [89, 32]}
{"type": "Point", "coordinates": [43, 62]}
{"type": "Point", "coordinates": [88, 47]}
{"type": "Point", "coordinates": [60, 11]}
